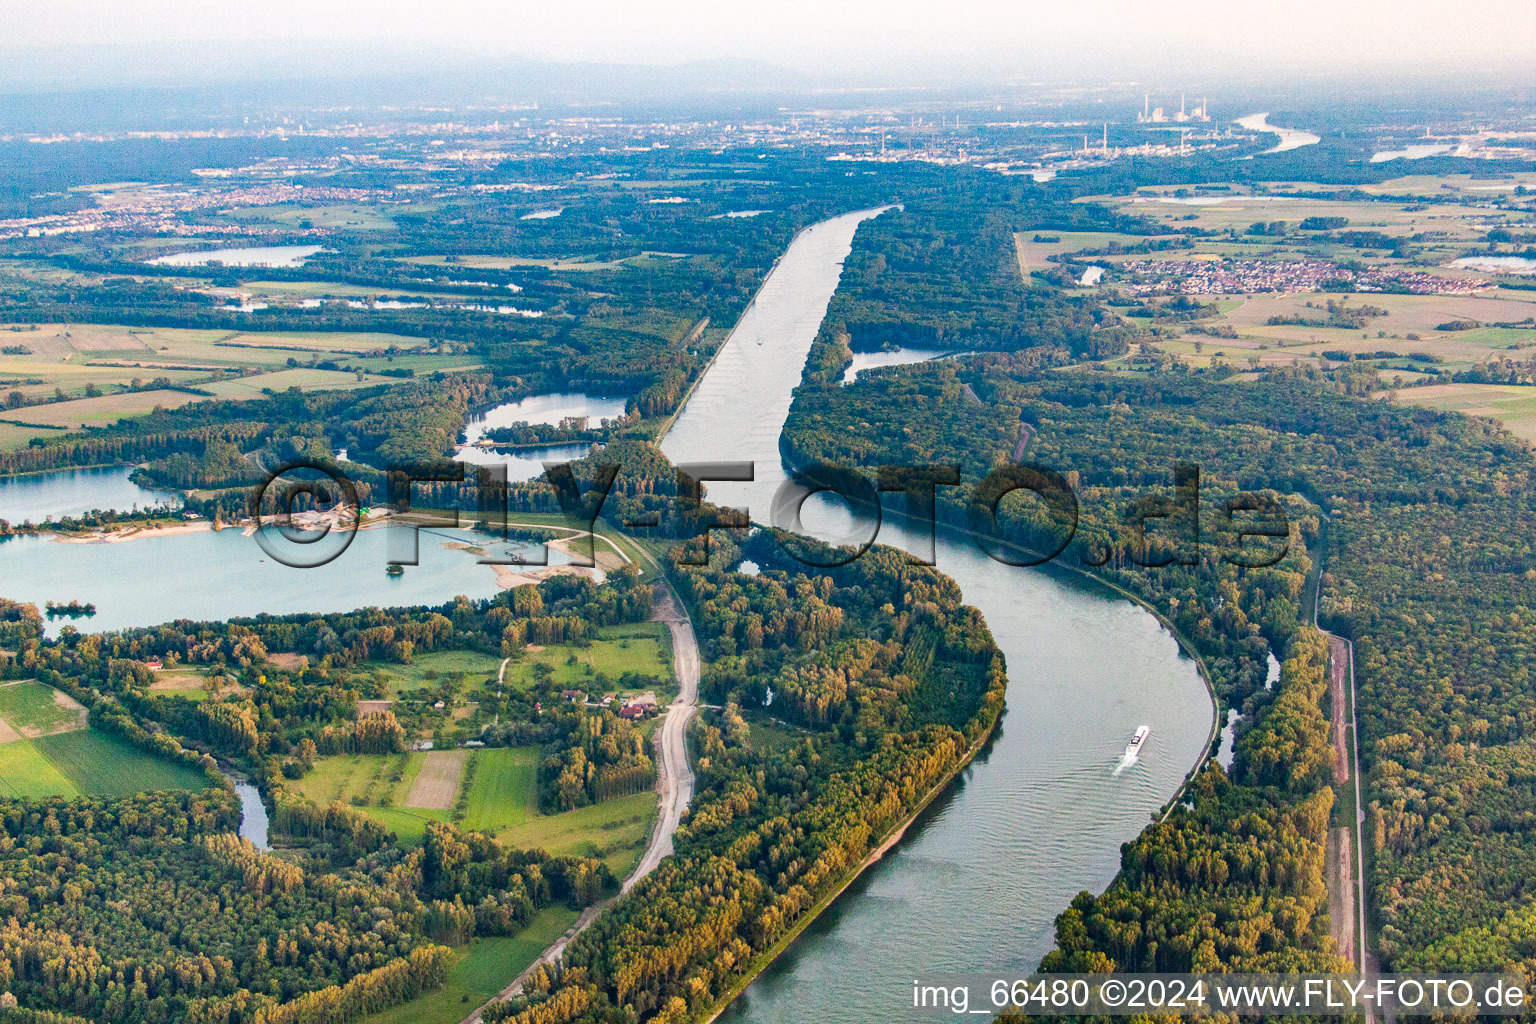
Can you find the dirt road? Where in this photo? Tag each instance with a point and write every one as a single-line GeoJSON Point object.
{"type": "Point", "coordinates": [1347, 852]}
{"type": "Point", "coordinates": [674, 776]}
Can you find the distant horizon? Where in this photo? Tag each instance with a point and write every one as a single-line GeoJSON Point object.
{"type": "Point", "coordinates": [41, 68]}
{"type": "Point", "coordinates": [897, 43]}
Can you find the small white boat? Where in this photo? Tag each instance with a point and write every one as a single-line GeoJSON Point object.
{"type": "Point", "coordinates": [1134, 747]}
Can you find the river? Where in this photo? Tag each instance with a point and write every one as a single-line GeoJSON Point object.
{"type": "Point", "coordinates": [976, 883]}
{"type": "Point", "coordinates": [1290, 138]}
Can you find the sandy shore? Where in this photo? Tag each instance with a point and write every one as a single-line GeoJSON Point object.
{"type": "Point", "coordinates": [508, 576]}
{"type": "Point", "coordinates": [134, 533]}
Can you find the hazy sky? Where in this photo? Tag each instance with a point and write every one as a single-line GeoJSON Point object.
{"type": "Point", "coordinates": [810, 33]}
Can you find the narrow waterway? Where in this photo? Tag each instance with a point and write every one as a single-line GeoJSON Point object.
{"type": "Point", "coordinates": [978, 880]}
{"type": "Point", "coordinates": [253, 815]}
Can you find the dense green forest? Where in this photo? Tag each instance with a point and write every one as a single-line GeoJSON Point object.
{"type": "Point", "coordinates": [151, 909]}
{"type": "Point", "coordinates": [894, 682]}
{"type": "Point", "coordinates": [941, 273]}
{"type": "Point", "coordinates": [1429, 574]}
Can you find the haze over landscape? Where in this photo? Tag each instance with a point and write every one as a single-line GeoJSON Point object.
{"type": "Point", "coordinates": [904, 42]}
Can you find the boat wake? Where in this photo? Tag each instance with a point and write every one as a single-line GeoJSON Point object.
{"type": "Point", "coordinates": [1133, 749]}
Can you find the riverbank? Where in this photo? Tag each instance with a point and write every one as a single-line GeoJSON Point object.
{"type": "Point", "coordinates": [1185, 646]}
{"type": "Point", "coordinates": [764, 959]}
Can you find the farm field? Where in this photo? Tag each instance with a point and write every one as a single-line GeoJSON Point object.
{"type": "Point", "coordinates": [643, 647]}
{"type": "Point", "coordinates": [1033, 255]}
{"type": "Point", "coordinates": [183, 682]}
{"type": "Point", "coordinates": [100, 764]}
{"type": "Point", "coordinates": [437, 781]}
{"type": "Point", "coordinates": [34, 709]}
{"type": "Point", "coordinates": [86, 762]}
{"type": "Point", "coordinates": [614, 831]}
{"type": "Point", "coordinates": [1458, 184]}
{"type": "Point", "coordinates": [1221, 210]}
{"type": "Point", "coordinates": [505, 791]}
{"type": "Point", "coordinates": [405, 792]}
{"type": "Point", "coordinates": [1514, 407]}
{"type": "Point", "coordinates": [367, 777]}
{"type": "Point", "coordinates": [480, 970]}
{"type": "Point", "coordinates": [354, 217]}
{"type": "Point", "coordinates": [13, 436]}
{"type": "Point", "coordinates": [107, 409]}
{"type": "Point", "coordinates": [304, 378]}
{"type": "Point", "coordinates": [100, 411]}
{"type": "Point", "coordinates": [1264, 344]}
{"type": "Point", "coordinates": [72, 358]}
{"type": "Point", "coordinates": [25, 772]}
{"type": "Point", "coordinates": [426, 670]}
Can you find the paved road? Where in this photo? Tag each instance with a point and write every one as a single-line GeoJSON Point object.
{"type": "Point", "coordinates": [674, 777]}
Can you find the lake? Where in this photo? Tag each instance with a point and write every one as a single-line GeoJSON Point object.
{"type": "Point", "coordinates": [251, 256]}
{"type": "Point", "coordinates": [225, 574]}
{"type": "Point", "coordinates": [527, 463]}
{"type": "Point", "coordinates": [74, 492]}
{"type": "Point", "coordinates": [1413, 152]}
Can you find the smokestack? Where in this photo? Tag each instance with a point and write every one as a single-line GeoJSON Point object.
{"type": "Point", "coordinates": [1106, 138]}
{"type": "Point", "coordinates": [1181, 103]}
{"type": "Point", "coordinates": [1146, 107]}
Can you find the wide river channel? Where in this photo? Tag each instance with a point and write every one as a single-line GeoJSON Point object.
{"type": "Point", "coordinates": [977, 881]}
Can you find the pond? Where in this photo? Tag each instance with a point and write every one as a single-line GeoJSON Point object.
{"type": "Point", "coordinates": [1497, 264]}
{"type": "Point", "coordinates": [890, 357]}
